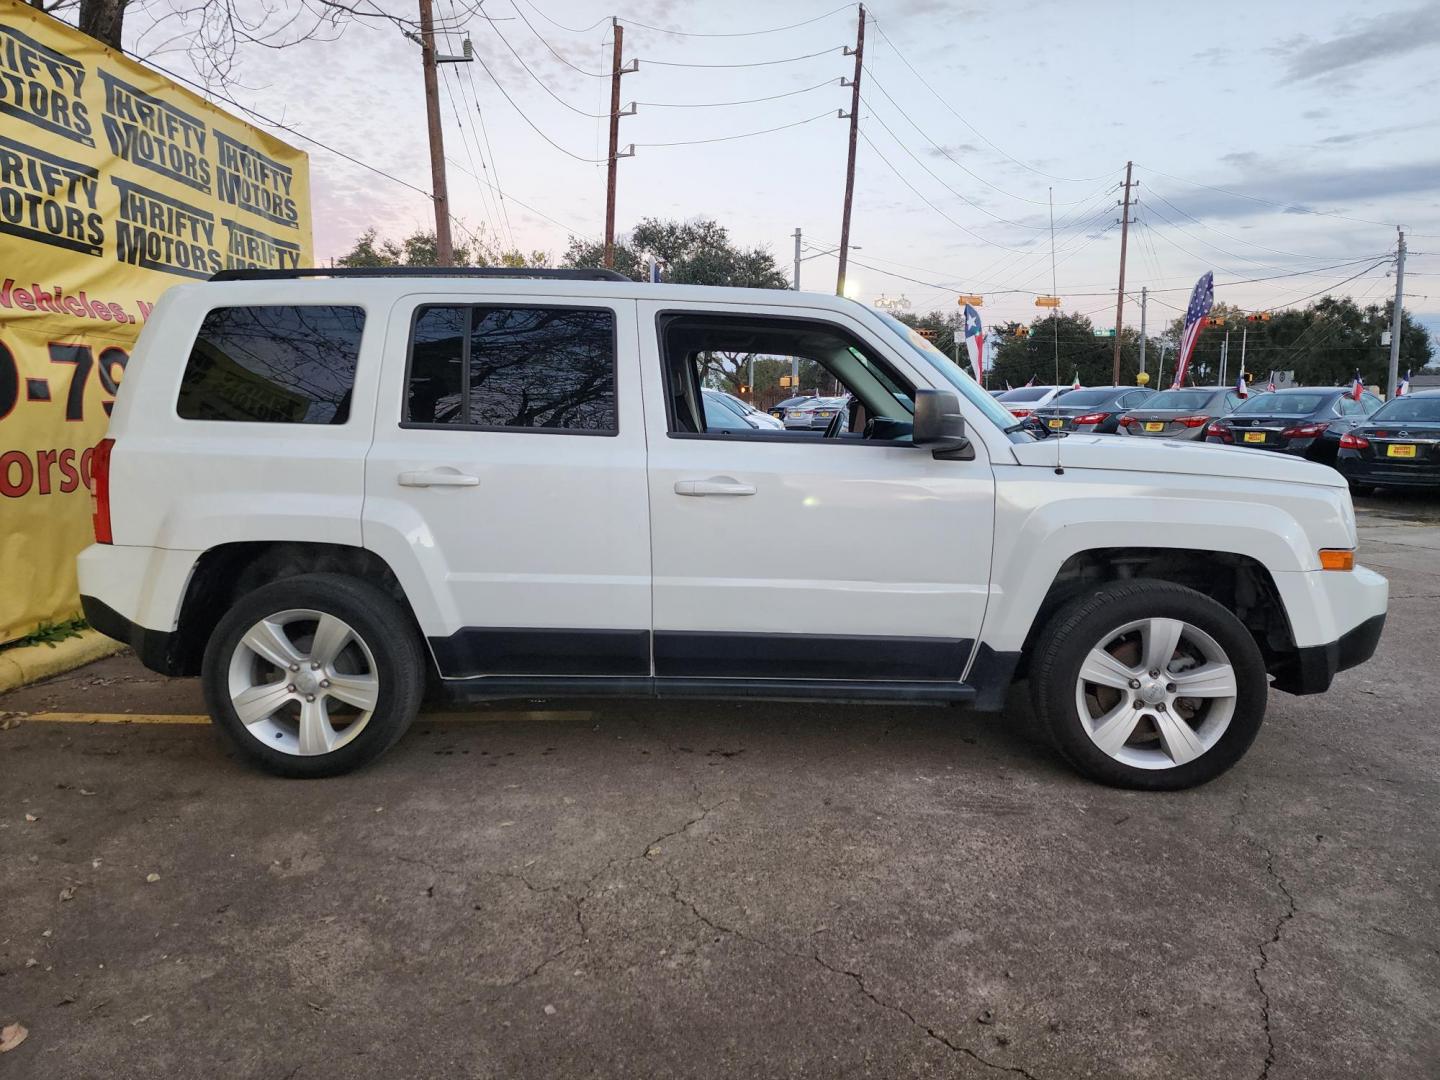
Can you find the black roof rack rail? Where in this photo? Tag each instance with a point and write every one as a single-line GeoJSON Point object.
{"type": "Point", "coordinates": [564, 274]}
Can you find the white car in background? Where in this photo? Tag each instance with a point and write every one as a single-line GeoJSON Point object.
{"type": "Point", "coordinates": [740, 407]}
{"type": "Point", "coordinates": [1024, 400]}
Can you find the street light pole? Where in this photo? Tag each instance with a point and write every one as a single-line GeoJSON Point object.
{"type": "Point", "coordinates": [1395, 319]}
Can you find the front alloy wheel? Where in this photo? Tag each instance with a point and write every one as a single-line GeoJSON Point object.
{"type": "Point", "coordinates": [1148, 684]}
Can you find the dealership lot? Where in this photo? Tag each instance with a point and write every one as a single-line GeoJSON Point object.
{"type": "Point", "coordinates": [717, 889]}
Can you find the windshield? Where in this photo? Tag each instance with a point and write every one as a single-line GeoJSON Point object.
{"type": "Point", "coordinates": [953, 373]}
{"type": "Point", "coordinates": [1281, 405]}
{"type": "Point", "coordinates": [1026, 393]}
{"type": "Point", "coordinates": [1085, 398]}
{"type": "Point", "coordinates": [1179, 400]}
{"type": "Point", "coordinates": [1407, 410]}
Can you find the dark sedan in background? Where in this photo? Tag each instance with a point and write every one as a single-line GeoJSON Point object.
{"type": "Point", "coordinates": [778, 411]}
{"type": "Point", "coordinates": [1090, 409]}
{"type": "Point", "coordinates": [1179, 414]}
{"type": "Point", "coordinates": [1306, 421]}
{"type": "Point", "coordinates": [1399, 446]}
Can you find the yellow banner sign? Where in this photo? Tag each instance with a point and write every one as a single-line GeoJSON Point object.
{"type": "Point", "coordinates": [1047, 301]}
{"type": "Point", "coordinates": [114, 184]}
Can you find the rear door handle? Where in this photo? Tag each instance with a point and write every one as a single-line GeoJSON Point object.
{"type": "Point", "coordinates": [441, 477]}
{"type": "Point", "coordinates": [716, 485]}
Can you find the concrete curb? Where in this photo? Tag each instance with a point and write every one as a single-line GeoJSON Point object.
{"type": "Point", "coordinates": [30, 663]}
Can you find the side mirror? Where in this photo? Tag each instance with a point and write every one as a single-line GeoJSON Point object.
{"type": "Point", "coordinates": [939, 426]}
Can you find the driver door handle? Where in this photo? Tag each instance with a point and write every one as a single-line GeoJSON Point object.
{"type": "Point", "coordinates": [716, 485]}
{"type": "Point", "coordinates": [443, 477]}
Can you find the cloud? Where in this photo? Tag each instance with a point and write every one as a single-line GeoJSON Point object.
{"type": "Point", "coordinates": [1242, 159]}
{"type": "Point", "coordinates": [1314, 191]}
{"type": "Point", "coordinates": [952, 149]}
{"type": "Point", "coordinates": [1315, 114]}
{"type": "Point", "coordinates": [1383, 37]}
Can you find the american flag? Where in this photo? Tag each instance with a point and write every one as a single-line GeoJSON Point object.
{"type": "Point", "coordinates": [975, 342]}
{"type": "Point", "coordinates": [1201, 300]}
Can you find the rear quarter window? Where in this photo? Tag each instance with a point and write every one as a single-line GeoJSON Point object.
{"type": "Point", "coordinates": [273, 364]}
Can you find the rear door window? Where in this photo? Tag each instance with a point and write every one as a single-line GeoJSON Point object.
{"type": "Point", "coordinates": [493, 368]}
{"type": "Point", "coordinates": [273, 364]}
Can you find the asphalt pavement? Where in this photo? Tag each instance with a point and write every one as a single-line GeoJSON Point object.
{"type": "Point", "coordinates": [715, 890]}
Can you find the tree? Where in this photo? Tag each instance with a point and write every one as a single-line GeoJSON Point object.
{"type": "Point", "coordinates": [697, 252]}
{"type": "Point", "coordinates": [419, 249]}
{"type": "Point", "coordinates": [1324, 343]}
{"type": "Point", "coordinates": [1071, 338]}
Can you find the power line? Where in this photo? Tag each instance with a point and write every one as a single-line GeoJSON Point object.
{"type": "Point", "coordinates": [533, 126]}
{"type": "Point", "coordinates": [741, 33]}
{"type": "Point", "coordinates": [562, 26]}
{"type": "Point", "coordinates": [543, 84]}
{"type": "Point", "coordinates": [553, 51]}
{"type": "Point", "coordinates": [493, 166]}
{"type": "Point", "coordinates": [541, 213]}
{"type": "Point", "coordinates": [946, 153]}
{"type": "Point", "coordinates": [749, 64]}
{"type": "Point", "coordinates": [1237, 239]}
{"type": "Point", "coordinates": [466, 140]}
{"type": "Point", "coordinates": [742, 101]}
{"type": "Point", "coordinates": [827, 114]}
{"type": "Point", "coordinates": [978, 134]}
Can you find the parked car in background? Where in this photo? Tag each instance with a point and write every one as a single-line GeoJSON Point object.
{"type": "Point", "coordinates": [1024, 400]}
{"type": "Point", "coordinates": [719, 416]}
{"type": "Point", "coordinates": [753, 416]}
{"type": "Point", "coordinates": [815, 414]}
{"type": "Point", "coordinates": [1179, 414]}
{"type": "Point", "coordinates": [1306, 421]}
{"type": "Point", "coordinates": [1398, 446]}
{"type": "Point", "coordinates": [1094, 409]}
{"type": "Point", "coordinates": [779, 410]}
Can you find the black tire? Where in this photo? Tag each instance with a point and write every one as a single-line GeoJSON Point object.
{"type": "Point", "coordinates": [1081, 624]}
{"type": "Point", "coordinates": [387, 631]}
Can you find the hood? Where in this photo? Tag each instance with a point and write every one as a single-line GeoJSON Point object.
{"type": "Point", "coordinates": [1184, 458]}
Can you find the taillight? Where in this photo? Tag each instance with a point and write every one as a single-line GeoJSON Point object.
{"type": "Point", "coordinates": [1019, 414]}
{"type": "Point", "coordinates": [1220, 431]}
{"type": "Point", "coordinates": [1349, 441]}
{"type": "Point", "coordinates": [1092, 418]}
{"type": "Point", "coordinates": [1125, 421]}
{"type": "Point", "coordinates": [1192, 421]}
{"type": "Point", "coordinates": [1304, 431]}
{"type": "Point", "coordinates": [100, 490]}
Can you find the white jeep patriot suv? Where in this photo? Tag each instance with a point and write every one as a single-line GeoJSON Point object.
{"type": "Point", "coordinates": [325, 491]}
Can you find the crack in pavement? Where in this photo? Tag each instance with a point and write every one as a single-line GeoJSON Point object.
{"type": "Point", "coordinates": [1255, 972]}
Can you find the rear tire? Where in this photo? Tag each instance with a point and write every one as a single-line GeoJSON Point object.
{"type": "Point", "coordinates": [1108, 683]}
{"type": "Point", "coordinates": [328, 672]}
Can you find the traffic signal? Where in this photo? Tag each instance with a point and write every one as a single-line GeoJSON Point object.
{"type": "Point", "coordinates": [1215, 320]}
{"type": "Point", "coordinates": [1259, 316]}
{"type": "Point", "coordinates": [928, 334]}
{"type": "Point", "coordinates": [1022, 331]}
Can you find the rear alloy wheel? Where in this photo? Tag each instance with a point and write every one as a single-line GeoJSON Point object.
{"type": "Point", "coordinates": [314, 675]}
{"type": "Point", "coordinates": [1151, 685]}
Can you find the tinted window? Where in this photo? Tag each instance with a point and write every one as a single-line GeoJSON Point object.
{"type": "Point", "coordinates": [1351, 407]}
{"type": "Point", "coordinates": [1179, 400]}
{"type": "Point", "coordinates": [273, 364]}
{"type": "Point", "coordinates": [1410, 410]}
{"type": "Point", "coordinates": [1078, 398]}
{"type": "Point", "coordinates": [1025, 393]}
{"type": "Point", "coordinates": [1282, 404]}
{"type": "Point", "coordinates": [718, 416]}
{"type": "Point", "coordinates": [523, 367]}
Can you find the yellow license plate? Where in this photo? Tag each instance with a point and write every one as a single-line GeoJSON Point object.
{"type": "Point", "coordinates": [1400, 450]}
{"type": "Point", "coordinates": [1152, 426]}
{"type": "Point", "coordinates": [1254, 436]}
{"type": "Point", "coordinates": [1057, 423]}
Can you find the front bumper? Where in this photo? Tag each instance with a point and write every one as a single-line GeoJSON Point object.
{"type": "Point", "coordinates": [1312, 668]}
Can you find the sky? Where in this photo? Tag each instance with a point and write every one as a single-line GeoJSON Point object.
{"type": "Point", "coordinates": [1281, 141]}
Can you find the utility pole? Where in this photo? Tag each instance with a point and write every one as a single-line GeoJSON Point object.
{"type": "Point", "coordinates": [444, 249]}
{"type": "Point", "coordinates": [617, 69]}
{"type": "Point", "coordinates": [1395, 318]}
{"type": "Point", "coordinates": [1224, 357]}
{"type": "Point", "coordinates": [795, 360]}
{"type": "Point", "coordinates": [1054, 290]}
{"type": "Point", "coordinates": [1120, 291]}
{"type": "Point", "coordinates": [859, 53]}
{"type": "Point", "coordinates": [1244, 337]}
{"type": "Point", "coordinates": [1144, 300]}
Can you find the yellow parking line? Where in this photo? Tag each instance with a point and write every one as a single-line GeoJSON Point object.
{"type": "Point", "coordinates": [198, 718]}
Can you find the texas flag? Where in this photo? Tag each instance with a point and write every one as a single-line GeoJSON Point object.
{"type": "Point", "coordinates": [1404, 387]}
{"type": "Point", "coordinates": [975, 343]}
{"type": "Point", "coordinates": [1357, 387]}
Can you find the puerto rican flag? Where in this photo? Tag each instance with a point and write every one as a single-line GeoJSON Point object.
{"type": "Point", "coordinates": [1241, 388]}
{"type": "Point", "coordinates": [1202, 299]}
{"type": "Point", "coordinates": [1404, 387]}
{"type": "Point", "coordinates": [1357, 387]}
{"type": "Point", "coordinates": [975, 343]}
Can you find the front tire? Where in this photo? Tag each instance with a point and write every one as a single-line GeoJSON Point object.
{"type": "Point", "coordinates": [1148, 685]}
{"type": "Point", "coordinates": [314, 675]}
